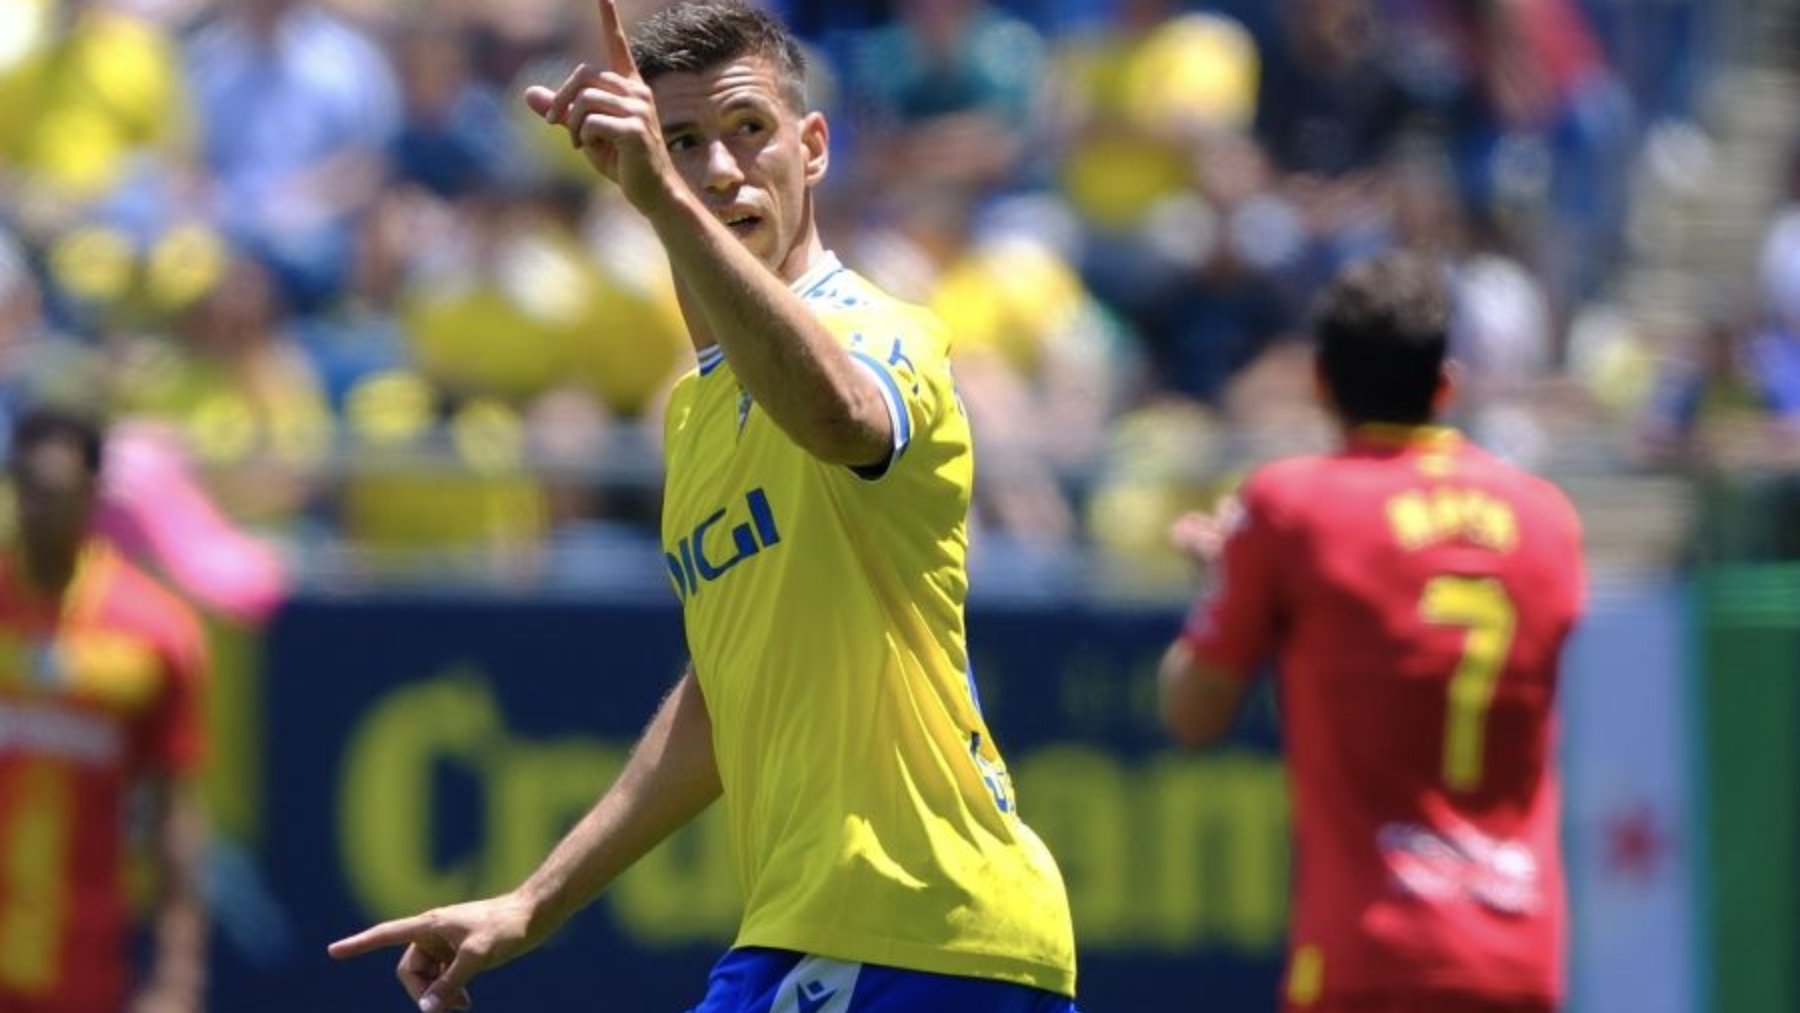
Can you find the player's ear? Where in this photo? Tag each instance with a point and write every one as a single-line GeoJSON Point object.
{"type": "Point", "coordinates": [1322, 387]}
{"type": "Point", "coordinates": [815, 138]}
{"type": "Point", "coordinates": [1449, 384]}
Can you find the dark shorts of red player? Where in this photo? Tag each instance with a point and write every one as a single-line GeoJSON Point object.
{"type": "Point", "coordinates": [1425, 1002]}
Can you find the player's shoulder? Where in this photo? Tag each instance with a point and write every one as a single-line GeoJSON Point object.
{"type": "Point", "coordinates": [863, 312]}
{"type": "Point", "coordinates": [683, 387]}
{"type": "Point", "coordinates": [1527, 488]}
{"type": "Point", "coordinates": [146, 605]}
{"type": "Point", "coordinates": [1288, 480]}
{"type": "Point", "coordinates": [829, 287]}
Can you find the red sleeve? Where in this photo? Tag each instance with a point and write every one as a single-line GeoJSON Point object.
{"type": "Point", "coordinates": [1232, 627]}
{"type": "Point", "coordinates": [175, 738]}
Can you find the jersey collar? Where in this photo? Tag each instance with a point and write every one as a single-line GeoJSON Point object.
{"type": "Point", "coordinates": [1396, 436]}
{"type": "Point", "coordinates": [821, 271]}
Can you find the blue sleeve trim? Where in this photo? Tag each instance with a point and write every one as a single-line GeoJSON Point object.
{"type": "Point", "coordinates": [897, 412]}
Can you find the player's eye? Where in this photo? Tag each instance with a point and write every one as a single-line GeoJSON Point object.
{"type": "Point", "coordinates": [751, 128]}
{"type": "Point", "coordinates": [682, 142]}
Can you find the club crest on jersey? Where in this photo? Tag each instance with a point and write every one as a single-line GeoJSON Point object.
{"type": "Point", "coordinates": [703, 556]}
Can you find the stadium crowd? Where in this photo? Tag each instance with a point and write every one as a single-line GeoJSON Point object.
{"type": "Point", "coordinates": [324, 247]}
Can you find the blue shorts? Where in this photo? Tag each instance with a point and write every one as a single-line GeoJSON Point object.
{"type": "Point", "coordinates": [756, 980]}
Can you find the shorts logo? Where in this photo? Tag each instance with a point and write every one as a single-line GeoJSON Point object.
{"type": "Point", "coordinates": [817, 985]}
{"type": "Point", "coordinates": [692, 566]}
{"type": "Point", "coordinates": [813, 996]}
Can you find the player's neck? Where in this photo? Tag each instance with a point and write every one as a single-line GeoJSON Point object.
{"type": "Point", "coordinates": [48, 570]}
{"type": "Point", "coordinates": [816, 262]}
{"type": "Point", "coordinates": [803, 258]}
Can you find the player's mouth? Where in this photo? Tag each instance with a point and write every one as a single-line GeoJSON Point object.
{"type": "Point", "coordinates": [742, 223]}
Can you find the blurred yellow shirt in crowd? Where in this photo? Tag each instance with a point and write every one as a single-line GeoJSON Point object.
{"type": "Point", "coordinates": [545, 315]}
{"type": "Point", "coordinates": [1008, 297]}
{"type": "Point", "coordinates": [431, 483]}
{"type": "Point", "coordinates": [1146, 98]}
{"type": "Point", "coordinates": [76, 105]}
{"type": "Point", "coordinates": [260, 427]}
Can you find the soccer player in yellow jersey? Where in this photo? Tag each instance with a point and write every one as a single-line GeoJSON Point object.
{"type": "Point", "coordinates": [815, 530]}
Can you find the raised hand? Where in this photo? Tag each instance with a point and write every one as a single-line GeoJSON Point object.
{"type": "Point", "coordinates": [1201, 536]}
{"type": "Point", "coordinates": [610, 115]}
{"type": "Point", "coordinates": [448, 946]}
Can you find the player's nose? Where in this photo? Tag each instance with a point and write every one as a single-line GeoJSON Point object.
{"type": "Point", "coordinates": [722, 172]}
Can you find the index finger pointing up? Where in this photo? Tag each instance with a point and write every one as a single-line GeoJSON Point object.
{"type": "Point", "coordinates": [613, 44]}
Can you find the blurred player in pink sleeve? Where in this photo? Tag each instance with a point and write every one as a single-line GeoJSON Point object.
{"type": "Point", "coordinates": [1414, 594]}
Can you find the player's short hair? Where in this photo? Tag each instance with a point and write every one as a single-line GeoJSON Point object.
{"type": "Point", "coordinates": [45, 425]}
{"type": "Point", "coordinates": [691, 38]}
{"type": "Point", "coordinates": [1383, 328]}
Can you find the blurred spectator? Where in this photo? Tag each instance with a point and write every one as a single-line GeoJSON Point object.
{"type": "Point", "coordinates": [456, 136]}
{"type": "Point", "coordinates": [1708, 405]}
{"type": "Point", "coordinates": [1165, 458]}
{"type": "Point", "coordinates": [1329, 106]}
{"type": "Point", "coordinates": [38, 364]}
{"type": "Point", "coordinates": [360, 333]}
{"type": "Point", "coordinates": [1332, 117]}
{"type": "Point", "coordinates": [299, 111]}
{"type": "Point", "coordinates": [243, 395]}
{"type": "Point", "coordinates": [1422, 209]}
{"type": "Point", "coordinates": [1040, 366]}
{"type": "Point", "coordinates": [951, 90]}
{"type": "Point", "coordinates": [1238, 300]}
{"type": "Point", "coordinates": [1781, 251]}
{"type": "Point", "coordinates": [1663, 49]}
{"type": "Point", "coordinates": [1538, 122]}
{"type": "Point", "coordinates": [491, 311]}
{"type": "Point", "coordinates": [1136, 99]}
{"type": "Point", "coordinates": [539, 328]}
{"type": "Point", "coordinates": [516, 305]}
{"type": "Point", "coordinates": [1181, 226]}
{"type": "Point", "coordinates": [1731, 389]}
{"type": "Point", "coordinates": [86, 88]}
{"type": "Point", "coordinates": [1775, 350]}
{"type": "Point", "coordinates": [1503, 336]}
{"type": "Point", "coordinates": [632, 344]}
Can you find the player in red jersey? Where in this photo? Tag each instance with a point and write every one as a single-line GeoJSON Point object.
{"type": "Point", "coordinates": [1415, 594]}
{"type": "Point", "coordinates": [100, 676]}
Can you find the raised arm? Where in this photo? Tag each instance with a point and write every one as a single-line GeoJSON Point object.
{"type": "Point", "coordinates": [687, 184]}
{"type": "Point", "coordinates": [795, 369]}
{"type": "Point", "coordinates": [669, 779]}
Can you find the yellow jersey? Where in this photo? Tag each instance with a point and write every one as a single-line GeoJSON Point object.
{"type": "Point", "coordinates": [871, 815]}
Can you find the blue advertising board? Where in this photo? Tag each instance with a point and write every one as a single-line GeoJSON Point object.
{"type": "Point", "coordinates": [420, 751]}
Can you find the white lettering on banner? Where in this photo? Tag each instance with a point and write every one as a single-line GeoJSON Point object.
{"type": "Point", "coordinates": [1500, 875]}
{"type": "Point", "coordinates": [59, 733]}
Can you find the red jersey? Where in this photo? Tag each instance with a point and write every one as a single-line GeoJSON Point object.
{"type": "Point", "coordinates": [1415, 593]}
{"type": "Point", "coordinates": [95, 691]}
